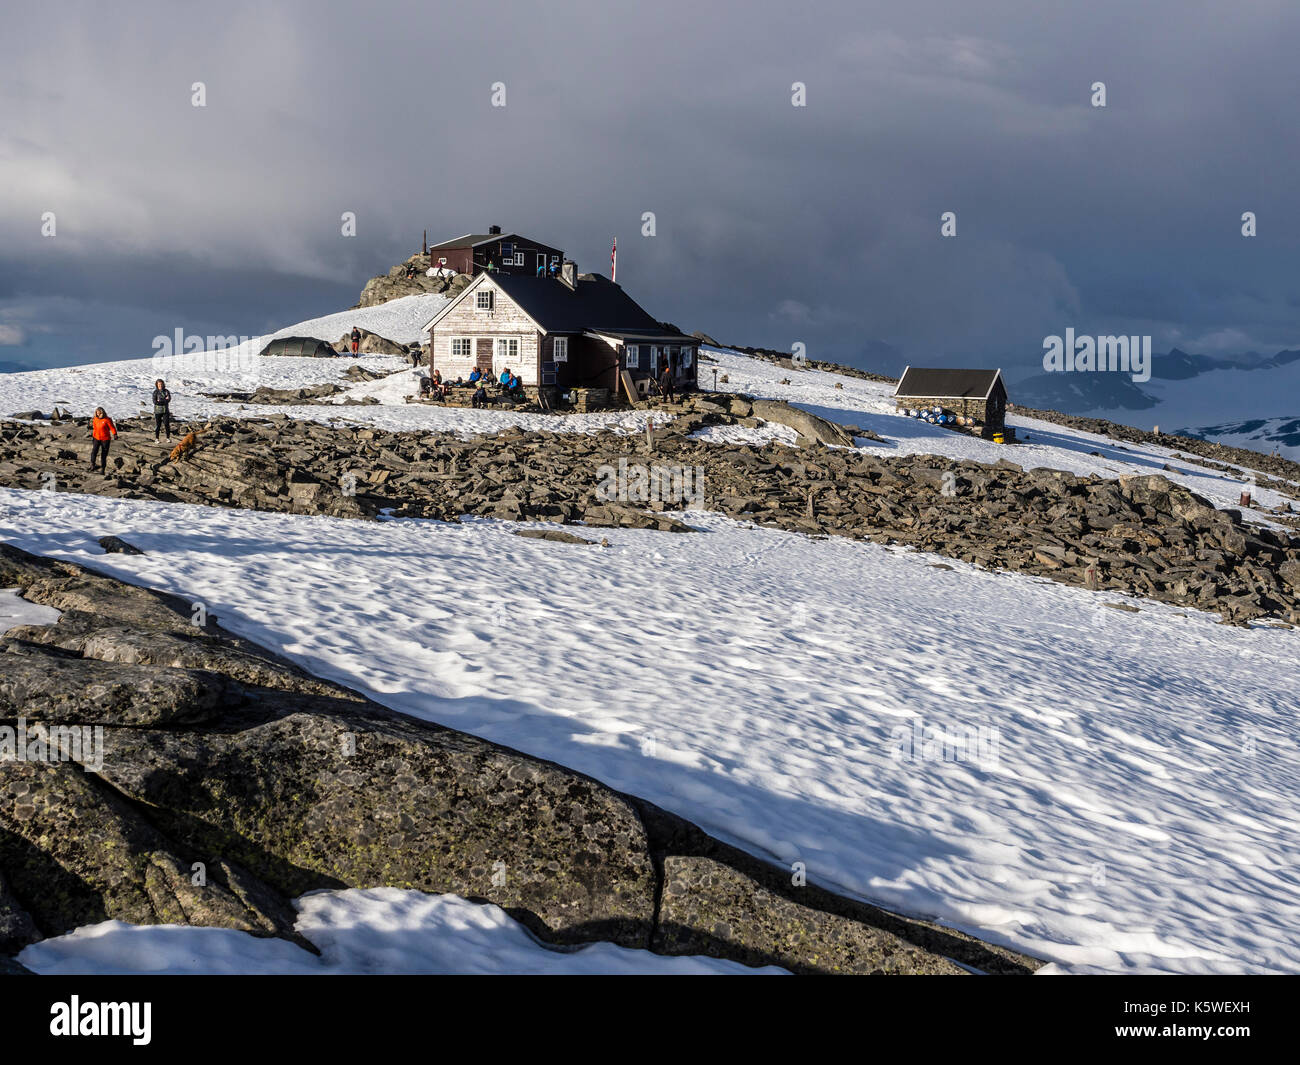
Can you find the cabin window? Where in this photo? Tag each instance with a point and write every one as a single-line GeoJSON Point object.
{"type": "Point", "coordinates": [687, 353]}
{"type": "Point", "coordinates": [633, 361]}
{"type": "Point", "coordinates": [519, 258]}
{"type": "Point", "coordinates": [508, 347]}
{"type": "Point", "coordinates": [461, 347]}
{"type": "Point", "coordinates": [483, 299]}
{"type": "Point", "coordinates": [442, 262]}
{"type": "Point", "coordinates": [560, 350]}
{"type": "Point", "coordinates": [555, 259]}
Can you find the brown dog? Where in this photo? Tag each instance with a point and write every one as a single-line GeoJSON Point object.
{"type": "Point", "coordinates": [182, 449]}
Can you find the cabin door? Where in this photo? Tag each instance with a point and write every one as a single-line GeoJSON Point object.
{"type": "Point", "coordinates": [483, 355]}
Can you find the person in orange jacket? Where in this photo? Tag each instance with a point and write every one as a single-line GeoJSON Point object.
{"type": "Point", "coordinates": [102, 431]}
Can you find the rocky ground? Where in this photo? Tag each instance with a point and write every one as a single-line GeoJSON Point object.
{"type": "Point", "coordinates": [394, 284]}
{"type": "Point", "coordinates": [1142, 535]}
{"type": "Point", "coordinates": [219, 757]}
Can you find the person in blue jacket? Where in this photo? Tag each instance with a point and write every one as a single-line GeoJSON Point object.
{"type": "Point", "coordinates": [474, 377]}
{"type": "Point", "coordinates": [505, 378]}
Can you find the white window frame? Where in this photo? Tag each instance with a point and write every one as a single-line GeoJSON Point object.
{"type": "Point", "coordinates": [555, 258]}
{"type": "Point", "coordinates": [484, 301]}
{"type": "Point", "coordinates": [632, 356]}
{"type": "Point", "coordinates": [519, 258]}
{"type": "Point", "coordinates": [560, 349]}
{"type": "Point", "coordinates": [468, 342]}
{"type": "Point", "coordinates": [507, 353]}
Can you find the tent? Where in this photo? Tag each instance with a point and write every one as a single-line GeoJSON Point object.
{"type": "Point", "coordinates": [302, 347]}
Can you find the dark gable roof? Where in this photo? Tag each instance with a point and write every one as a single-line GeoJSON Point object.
{"type": "Point", "coordinates": [469, 240]}
{"type": "Point", "coordinates": [473, 240]}
{"type": "Point", "coordinates": [927, 383]}
{"type": "Point", "coordinates": [595, 305]}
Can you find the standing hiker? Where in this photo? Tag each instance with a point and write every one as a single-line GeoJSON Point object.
{"type": "Point", "coordinates": [356, 339]}
{"type": "Point", "coordinates": [666, 382]}
{"type": "Point", "coordinates": [162, 409]}
{"type": "Point", "coordinates": [102, 431]}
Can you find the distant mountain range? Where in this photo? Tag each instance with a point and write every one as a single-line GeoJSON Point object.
{"type": "Point", "coordinates": [1251, 400]}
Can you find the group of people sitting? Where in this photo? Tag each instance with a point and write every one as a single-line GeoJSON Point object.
{"type": "Point", "coordinates": [508, 384]}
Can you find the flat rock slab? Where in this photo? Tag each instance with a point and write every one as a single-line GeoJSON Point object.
{"type": "Point", "coordinates": [321, 798]}
{"type": "Point", "coordinates": [709, 908]}
{"type": "Point", "coordinates": [42, 686]}
{"type": "Point", "coordinates": [557, 535]}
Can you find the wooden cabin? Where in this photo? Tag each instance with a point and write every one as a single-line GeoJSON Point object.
{"type": "Point", "coordinates": [977, 394]}
{"type": "Point", "coordinates": [506, 253]}
{"type": "Point", "coordinates": [556, 333]}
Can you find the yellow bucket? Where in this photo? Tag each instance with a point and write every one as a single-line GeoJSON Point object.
{"type": "Point", "coordinates": [999, 438]}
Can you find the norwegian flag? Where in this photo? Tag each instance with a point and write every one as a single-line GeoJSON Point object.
{"type": "Point", "coordinates": [613, 261]}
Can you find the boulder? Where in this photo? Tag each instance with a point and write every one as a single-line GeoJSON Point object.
{"type": "Point", "coordinates": [323, 797]}
{"type": "Point", "coordinates": [41, 685]}
{"type": "Point", "coordinates": [811, 428]}
{"type": "Point", "coordinates": [370, 344]}
{"type": "Point", "coordinates": [116, 545]}
{"type": "Point", "coordinates": [115, 865]}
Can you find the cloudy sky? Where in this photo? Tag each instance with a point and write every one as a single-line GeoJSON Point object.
{"type": "Point", "coordinates": [775, 224]}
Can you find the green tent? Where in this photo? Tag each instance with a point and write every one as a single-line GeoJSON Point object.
{"type": "Point", "coordinates": [302, 347]}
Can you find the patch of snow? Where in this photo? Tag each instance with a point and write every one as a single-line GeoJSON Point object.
{"type": "Point", "coordinates": [16, 611]}
{"type": "Point", "coordinates": [370, 931]}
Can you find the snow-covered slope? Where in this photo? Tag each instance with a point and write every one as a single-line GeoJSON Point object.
{"type": "Point", "coordinates": [1131, 791]}
{"type": "Point", "coordinates": [1267, 435]}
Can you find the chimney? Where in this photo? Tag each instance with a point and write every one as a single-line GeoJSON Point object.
{"type": "Point", "coordinates": [569, 274]}
{"type": "Point", "coordinates": [494, 231]}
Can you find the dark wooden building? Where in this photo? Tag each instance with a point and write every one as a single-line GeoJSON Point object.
{"type": "Point", "coordinates": [562, 333]}
{"type": "Point", "coordinates": [976, 394]}
{"type": "Point", "coordinates": [507, 253]}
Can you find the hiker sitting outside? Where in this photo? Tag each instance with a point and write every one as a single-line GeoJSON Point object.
{"type": "Point", "coordinates": [162, 409]}
{"type": "Point", "coordinates": [480, 399]}
{"type": "Point", "coordinates": [102, 432]}
{"type": "Point", "coordinates": [475, 376]}
{"type": "Point", "coordinates": [356, 339]}
{"type": "Point", "coordinates": [439, 388]}
{"type": "Point", "coordinates": [504, 379]}
{"type": "Point", "coordinates": [426, 386]}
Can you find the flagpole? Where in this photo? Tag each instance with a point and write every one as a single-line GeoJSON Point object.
{"type": "Point", "coordinates": [613, 261]}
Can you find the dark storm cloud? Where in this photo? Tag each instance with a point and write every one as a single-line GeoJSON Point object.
{"type": "Point", "coordinates": [775, 224]}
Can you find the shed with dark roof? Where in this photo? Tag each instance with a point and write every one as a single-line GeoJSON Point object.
{"type": "Point", "coordinates": [972, 393]}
